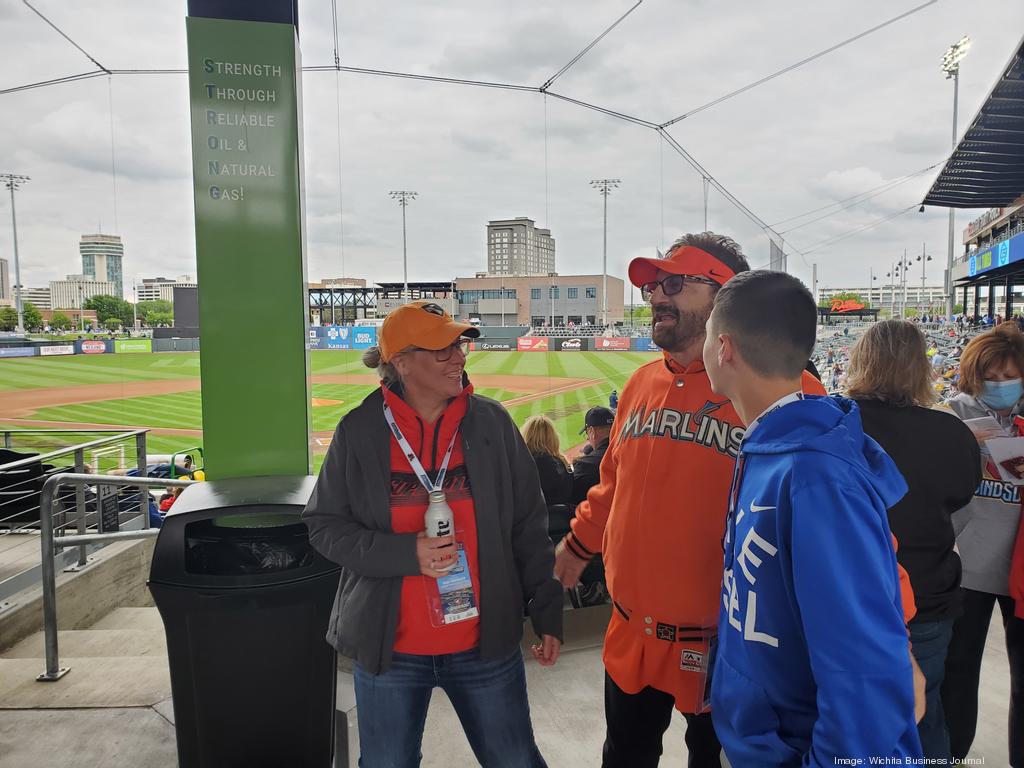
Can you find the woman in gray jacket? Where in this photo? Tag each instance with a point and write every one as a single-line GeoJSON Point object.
{"type": "Point", "coordinates": [990, 386]}
{"type": "Point", "coordinates": [416, 612]}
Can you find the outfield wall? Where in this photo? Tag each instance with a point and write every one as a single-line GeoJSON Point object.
{"type": "Point", "coordinates": [332, 337]}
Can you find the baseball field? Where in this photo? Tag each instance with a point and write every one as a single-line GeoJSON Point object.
{"type": "Point", "coordinates": [162, 391]}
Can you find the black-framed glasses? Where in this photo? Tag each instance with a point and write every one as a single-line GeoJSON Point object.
{"type": "Point", "coordinates": [444, 354]}
{"type": "Point", "coordinates": [672, 285]}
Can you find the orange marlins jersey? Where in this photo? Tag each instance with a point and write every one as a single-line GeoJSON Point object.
{"type": "Point", "coordinates": [658, 516]}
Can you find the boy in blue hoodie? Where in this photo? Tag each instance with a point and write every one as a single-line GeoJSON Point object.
{"type": "Point", "coordinates": [812, 667]}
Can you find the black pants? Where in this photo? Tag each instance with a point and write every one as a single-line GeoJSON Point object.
{"type": "Point", "coordinates": [963, 673]}
{"type": "Point", "coordinates": [637, 722]}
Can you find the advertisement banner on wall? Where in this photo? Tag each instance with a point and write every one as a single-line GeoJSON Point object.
{"type": "Point", "coordinates": [337, 337]}
{"type": "Point", "coordinates": [531, 344]}
{"type": "Point", "coordinates": [645, 345]}
{"type": "Point", "coordinates": [93, 346]}
{"type": "Point", "coordinates": [364, 338]}
{"type": "Point", "coordinates": [17, 351]}
{"type": "Point", "coordinates": [486, 345]}
{"type": "Point", "coordinates": [570, 345]}
{"type": "Point", "coordinates": [611, 344]}
{"type": "Point", "coordinates": [57, 349]}
{"type": "Point", "coordinates": [315, 341]}
{"type": "Point", "coordinates": [133, 346]}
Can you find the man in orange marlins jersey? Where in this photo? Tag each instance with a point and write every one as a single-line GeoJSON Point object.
{"type": "Point", "coordinates": [658, 515]}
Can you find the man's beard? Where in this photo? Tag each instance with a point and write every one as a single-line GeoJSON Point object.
{"type": "Point", "coordinates": [689, 327]}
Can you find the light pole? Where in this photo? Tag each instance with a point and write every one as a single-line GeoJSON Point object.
{"type": "Point", "coordinates": [605, 186]}
{"type": "Point", "coordinates": [13, 181]}
{"type": "Point", "coordinates": [924, 258]}
{"type": "Point", "coordinates": [951, 66]}
{"type": "Point", "coordinates": [404, 197]}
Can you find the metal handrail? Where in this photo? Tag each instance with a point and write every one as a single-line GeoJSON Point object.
{"type": "Point", "coordinates": [121, 435]}
{"type": "Point", "coordinates": [51, 544]}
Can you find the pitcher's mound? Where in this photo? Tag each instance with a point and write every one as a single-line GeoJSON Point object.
{"type": "Point", "coordinates": [321, 401]}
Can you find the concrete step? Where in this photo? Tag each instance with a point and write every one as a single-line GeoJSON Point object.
{"type": "Point", "coordinates": [84, 643]}
{"type": "Point", "coordinates": [131, 618]}
{"type": "Point", "coordinates": [133, 681]}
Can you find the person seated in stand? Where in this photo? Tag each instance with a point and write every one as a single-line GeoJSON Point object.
{"type": "Point", "coordinates": [555, 476]}
{"type": "Point", "coordinates": [586, 470]}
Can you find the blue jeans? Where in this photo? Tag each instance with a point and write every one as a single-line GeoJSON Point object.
{"type": "Point", "coordinates": [930, 641]}
{"type": "Point", "coordinates": [488, 696]}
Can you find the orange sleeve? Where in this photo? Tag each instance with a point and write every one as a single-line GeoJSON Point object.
{"type": "Point", "coordinates": [587, 534]}
{"type": "Point", "coordinates": [811, 386]}
{"type": "Point", "coordinates": [906, 590]}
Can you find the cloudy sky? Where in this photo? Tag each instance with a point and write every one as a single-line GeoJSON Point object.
{"type": "Point", "coordinates": [874, 111]}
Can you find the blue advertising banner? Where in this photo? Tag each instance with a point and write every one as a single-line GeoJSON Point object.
{"type": "Point", "coordinates": [364, 338]}
{"type": "Point", "coordinates": [338, 337]}
{"type": "Point", "coordinates": [315, 341]}
{"type": "Point", "coordinates": [999, 255]}
{"type": "Point", "coordinates": [17, 351]}
{"type": "Point", "coordinates": [645, 345]}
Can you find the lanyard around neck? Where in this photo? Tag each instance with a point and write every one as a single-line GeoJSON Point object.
{"type": "Point", "coordinates": [410, 454]}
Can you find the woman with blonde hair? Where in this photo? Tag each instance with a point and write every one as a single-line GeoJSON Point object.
{"type": "Point", "coordinates": [555, 474]}
{"type": "Point", "coordinates": [991, 368]}
{"type": "Point", "coordinates": [890, 378]}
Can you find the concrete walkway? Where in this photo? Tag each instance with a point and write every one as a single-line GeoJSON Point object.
{"type": "Point", "coordinates": [114, 708]}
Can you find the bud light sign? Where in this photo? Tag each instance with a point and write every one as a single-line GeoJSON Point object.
{"type": "Point", "coordinates": [363, 338]}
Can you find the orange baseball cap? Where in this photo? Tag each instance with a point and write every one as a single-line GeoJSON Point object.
{"type": "Point", "coordinates": [422, 324]}
{"type": "Point", "coordinates": [684, 260]}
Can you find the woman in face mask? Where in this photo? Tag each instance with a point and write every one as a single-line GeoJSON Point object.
{"type": "Point", "coordinates": [990, 386]}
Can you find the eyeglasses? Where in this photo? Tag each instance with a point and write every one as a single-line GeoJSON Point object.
{"type": "Point", "coordinates": [444, 354]}
{"type": "Point", "coordinates": [672, 285]}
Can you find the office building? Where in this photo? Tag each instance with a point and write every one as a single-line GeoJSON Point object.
{"type": "Point", "coordinates": [102, 257]}
{"type": "Point", "coordinates": [518, 247]}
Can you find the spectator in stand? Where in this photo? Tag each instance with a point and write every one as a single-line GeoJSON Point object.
{"type": "Point", "coordinates": [586, 471]}
{"type": "Point", "coordinates": [990, 385]}
{"type": "Point", "coordinates": [555, 475]}
{"type": "Point", "coordinates": [890, 379]}
{"type": "Point", "coordinates": [409, 624]}
{"type": "Point", "coordinates": [813, 666]}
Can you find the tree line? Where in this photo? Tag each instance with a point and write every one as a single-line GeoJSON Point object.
{"type": "Point", "coordinates": [112, 313]}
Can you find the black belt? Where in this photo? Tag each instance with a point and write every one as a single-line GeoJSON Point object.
{"type": "Point", "coordinates": [665, 631]}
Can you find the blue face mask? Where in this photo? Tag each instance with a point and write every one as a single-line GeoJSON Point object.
{"type": "Point", "coordinates": [1000, 395]}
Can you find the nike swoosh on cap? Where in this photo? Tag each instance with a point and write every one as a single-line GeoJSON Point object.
{"type": "Point", "coordinates": [755, 508]}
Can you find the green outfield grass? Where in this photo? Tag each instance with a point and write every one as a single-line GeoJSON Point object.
{"type": "Point", "coordinates": [183, 410]}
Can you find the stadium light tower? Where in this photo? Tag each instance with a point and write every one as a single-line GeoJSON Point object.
{"type": "Point", "coordinates": [605, 186]}
{"type": "Point", "coordinates": [404, 198]}
{"type": "Point", "coordinates": [13, 181]}
{"type": "Point", "coordinates": [951, 66]}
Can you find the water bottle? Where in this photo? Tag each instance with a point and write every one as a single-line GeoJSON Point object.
{"type": "Point", "coordinates": [440, 521]}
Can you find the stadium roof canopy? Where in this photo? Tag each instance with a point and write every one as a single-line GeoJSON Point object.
{"type": "Point", "coordinates": [987, 168]}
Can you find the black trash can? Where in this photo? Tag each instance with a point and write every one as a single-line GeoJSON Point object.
{"type": "Point", "coordinates": [245, 601]}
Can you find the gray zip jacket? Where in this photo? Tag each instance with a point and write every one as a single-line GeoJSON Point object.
{"type": "Point", "coordinates": [349, 521]}
{"type": "Point", "coordinates": [987, 527]}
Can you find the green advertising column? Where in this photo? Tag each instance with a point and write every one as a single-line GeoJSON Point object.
{"type": "Point", "coordinates": [244, 90]}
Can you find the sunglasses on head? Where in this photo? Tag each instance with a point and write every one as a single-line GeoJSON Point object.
{"type": "Point", "coordinates": [672, 285]}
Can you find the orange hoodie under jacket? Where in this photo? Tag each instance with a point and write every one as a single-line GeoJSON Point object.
{"type": "Point", "coordinates": [658, 517]}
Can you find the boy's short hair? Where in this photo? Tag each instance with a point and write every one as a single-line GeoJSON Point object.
{"type": "Point", "coordinates": [772, 319]}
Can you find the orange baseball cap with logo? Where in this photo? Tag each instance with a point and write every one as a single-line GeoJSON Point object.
{"type": "Point", "coordinates": [684, 260]}
{"type": "Point", "coordinates": [422, 324]}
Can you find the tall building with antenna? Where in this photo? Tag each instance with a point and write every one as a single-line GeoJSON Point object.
{"type": "Point", "coordinates": [101, 259]}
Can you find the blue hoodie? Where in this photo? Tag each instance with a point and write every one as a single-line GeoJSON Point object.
{"type": "Point", "coordinates": [812, 667]}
